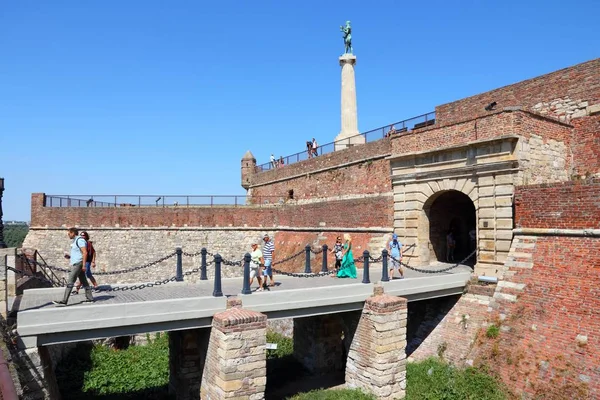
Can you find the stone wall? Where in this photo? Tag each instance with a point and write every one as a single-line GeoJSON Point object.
{"type": "Point", "coordinates": [119, 249]}
{"type": "Point", "coordinates": [568, 205]}
{"type": "Point", "coordinates": [580, 83]}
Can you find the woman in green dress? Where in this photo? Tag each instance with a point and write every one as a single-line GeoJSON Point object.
{"type": "Point", "coordinates": [348, 269]}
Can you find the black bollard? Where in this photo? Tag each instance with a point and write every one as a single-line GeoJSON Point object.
{"type": "Point", "coordinates": [218, 292]}
{"type": "Point", "coordinates": [203, 276]}
{"type": "Point", "coordinates": [324, 266]}
{"type": "Point", "coordinates": [307, 264]}
{"type": "Point", "coordinates": [384, 271]}
{"type": "Point", "coordinates": [246, 288]}
{"type": "Point", "coordinates": [179, 271]}
{"type": "Point", "coordinates": [366, 267]}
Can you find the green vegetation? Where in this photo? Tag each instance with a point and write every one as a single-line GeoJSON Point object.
{"type": "Point", "coordinates": [142, 373]}
{"type": "Point", "coordinates": [14, 235]}
{"type": "Point", "coordinates": [99, 372]}
{"type": "Point", "coordinates": [492, 331]}
{"type": "Point", "coordinates": [333, 394]}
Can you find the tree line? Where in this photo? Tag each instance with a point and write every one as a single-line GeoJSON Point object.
{"type": "Point", "coordinates": [14, 235]}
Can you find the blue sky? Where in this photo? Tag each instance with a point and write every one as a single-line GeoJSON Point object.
{"type": "Point", "coordinates": [156, 97]}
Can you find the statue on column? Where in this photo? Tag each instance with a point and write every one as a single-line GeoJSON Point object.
{"type": "Point", "coordinates": [347, 37]}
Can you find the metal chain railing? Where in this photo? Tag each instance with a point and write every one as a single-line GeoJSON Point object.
{"type": "Point", "coordinates": [304, 274]}
{"type": "Point", "coordinates": [117, 272]}
{"type": "Point", "coordinates": [288, 258]}
{"type": "Point", "coordinates": [435, 271]}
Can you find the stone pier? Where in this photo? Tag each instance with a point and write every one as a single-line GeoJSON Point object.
{"type": "Point", "coordinates": [236, 364]}
{"type": "Point", "coordinates": [348, 135]}
{"type": "Point", "coordinates": [377, 359]}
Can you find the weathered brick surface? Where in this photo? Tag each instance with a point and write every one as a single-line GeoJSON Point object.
{"type": "Point", "coordinates": [568, 205]}
{"type": "Point", "coordinates": [579, 82]}
{"type": "Point", "coordinates": [547, 311]}
{"type": "Point", "coordinates": [350, 155]}
{"type": "Point", "coordinates": [586, 145]}
{"type": "Point", "coordinates": [377, 360]}
{"type": "Point", "coordinates": [351, 213]}
{"type": "Point", "coordinates": [236, 365]}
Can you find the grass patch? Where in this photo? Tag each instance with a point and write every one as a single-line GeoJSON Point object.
{"type": "Point", "coordinates": [433, 379]}
{"type": "Point", "coordinates": [99, 372]}
{"type": "Point", "coordinates": [333, 394]}
{"type": "Point", "coordinates": [492, 332]}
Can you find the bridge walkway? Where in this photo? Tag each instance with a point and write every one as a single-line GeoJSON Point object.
{"type": "Point", "coordinates": [181, 305]}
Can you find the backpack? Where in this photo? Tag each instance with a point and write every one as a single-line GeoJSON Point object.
{"type": "Point", "coordinates": [90, 251]}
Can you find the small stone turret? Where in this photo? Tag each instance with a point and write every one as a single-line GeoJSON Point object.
{"type": "Point", "coordinates": [248, 169]}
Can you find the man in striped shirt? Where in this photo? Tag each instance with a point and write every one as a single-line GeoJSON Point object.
{"type": "Point", "coordinates": [268, 250]}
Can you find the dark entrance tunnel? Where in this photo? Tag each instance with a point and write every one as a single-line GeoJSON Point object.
{"type": "Point", "coordinates": [451, 211]}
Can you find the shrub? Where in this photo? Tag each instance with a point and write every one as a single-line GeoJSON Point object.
{"type": "Point", "coordinates": [492, 331]}
{"type": "Point", "coordinates": [285, 345]}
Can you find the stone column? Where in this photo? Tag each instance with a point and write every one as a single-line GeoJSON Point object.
{"type": "Point", "coordinates": [187, 353]}
{"type": "Point", "coordinates": [318, 344]}
{"type": "Point", "coordinates": [377, 358]}
{"type": "Point", "coordinates": [236, 363]}
{"type": "Point", "coordinates": [348, 134]}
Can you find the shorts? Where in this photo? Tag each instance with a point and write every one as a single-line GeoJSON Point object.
{"type": "Point", "coordinates": [396, 263]}
{"type": "Point", "coordinates": [88, 270]}
{"type": "Point", "coordinates": [268, 271]}
{"type": "Point", "coordinates": [338, 263]}
{"type": "Point", "coordinates": [253, 273]}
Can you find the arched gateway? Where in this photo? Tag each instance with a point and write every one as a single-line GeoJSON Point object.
{"type": "Point", "coordinates": [460, 188]}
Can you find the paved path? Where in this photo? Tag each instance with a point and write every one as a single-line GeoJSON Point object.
{"type": "Point", "coordinates": [180, 305]}
{"type": "Point", "coordinates": [40, 299]}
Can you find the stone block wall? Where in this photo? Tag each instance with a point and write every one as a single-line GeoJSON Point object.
{"type": "Point", "coordinates": [580, 82]}
{"type": "Point", "coordinates": [236, 365]}
{"type": "Point", "coordinates": [318, 343]}
{"type": "Point", "coordinates": [377, 360]}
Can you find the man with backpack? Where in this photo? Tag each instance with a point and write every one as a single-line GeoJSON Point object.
{"type": "Point", "coordinates": [77, 257]}
{"type": "Point", "coordinates": [90, 262]}
{"type": "Point", "coordinates": [396, 256]}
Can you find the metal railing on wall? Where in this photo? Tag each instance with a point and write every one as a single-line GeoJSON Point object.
{"type": "Point", "coordinates": [399, 127]}
{"type": "Point", "coordinates": [157, 200]}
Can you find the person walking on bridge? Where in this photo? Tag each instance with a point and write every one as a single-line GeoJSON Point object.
{"type": "Point", "coordinates": [256, 260]}
{"type": "Point", "coordinates": [89, 263]}
{"type": "Point", "coordinates": [268, 251]}
{"type": "Point", "coordinates": [77, 257]}
{"type": "Point", "coordinates": [348, 269]}
{"type": "Point", "coordinates": [396, 256]}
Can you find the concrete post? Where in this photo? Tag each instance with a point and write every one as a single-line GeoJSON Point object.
{"type": "Point", "coordinates": [348, 134]}
{"type": "Point", "coordinates": [236, 363]}
{"type": "Point", "coordinates": [377, 357]}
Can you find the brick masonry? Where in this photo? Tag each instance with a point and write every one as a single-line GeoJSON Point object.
{"type": "Point", "coordinates": [236, 365]}
{"type": "Point", "coordinates": [568, 205]}
{"type": "Point", "coordinates": [377, 360]}
{"type": "Point", "coordinates": [580, 82]}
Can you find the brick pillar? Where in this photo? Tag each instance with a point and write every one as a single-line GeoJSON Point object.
{"type": "Point", "coordinates": [318, 343]}
{"type": "Point", "coordinates": [236, 364]}
{"type": "Point", "coordinates": [187, 353]}
{"type": "Point", "coordinates": [377, 358]}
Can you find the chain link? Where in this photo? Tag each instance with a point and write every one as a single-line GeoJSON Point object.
{"type": "Point", "coordinates": [435, 271]}
{"type": "Point", "coordinates": [318, 251]}
{"type": "Point", "coordinates": [289, 258]}
{"type": "Point", "coordinates": [304, 275]}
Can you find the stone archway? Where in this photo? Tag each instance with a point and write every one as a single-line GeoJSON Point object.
{"type": "Point", "coordinates": [445, 211]}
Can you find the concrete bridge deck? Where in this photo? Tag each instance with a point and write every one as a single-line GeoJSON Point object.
{"type": "Point", "coordinates": [179, 305]}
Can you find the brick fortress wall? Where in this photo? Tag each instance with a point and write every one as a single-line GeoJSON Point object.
{"type": "Point", "coordinates": [547, 304]}
{"type": "Point", "coordinates": [552, 94]}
